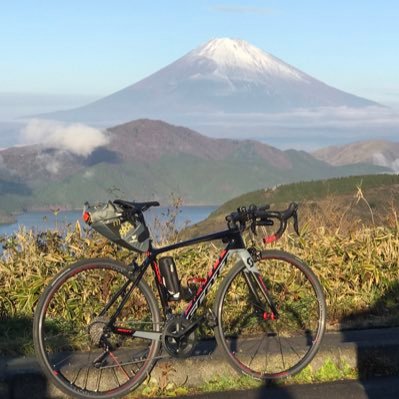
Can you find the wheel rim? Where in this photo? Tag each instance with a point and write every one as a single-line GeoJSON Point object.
{"type": "Point", "coordinates": [257, 342]}
{"type": "Point", "coordinates": [69, 325]}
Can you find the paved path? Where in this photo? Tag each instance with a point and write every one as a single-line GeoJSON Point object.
{"type": "Point", "coordinates": [369, 350]}
{"type": "Point", "coordinates": [376, 388]}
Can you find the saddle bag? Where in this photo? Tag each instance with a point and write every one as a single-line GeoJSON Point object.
{"type": "Point", "coordinates": [123, 228]}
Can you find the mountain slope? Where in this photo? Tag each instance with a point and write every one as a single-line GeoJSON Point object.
{"type": "Point", "coordinates": [148, 139]}
{"type": "Point", "coordinates": [150, 159]}
{"type": "Point", "coordinates": [377, 152]}
{"type": "Point", "coordinates": [329, 200]}
{"type": "Point", "coordinates": [223, 76]}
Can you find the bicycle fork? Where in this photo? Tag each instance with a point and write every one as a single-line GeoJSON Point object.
{"type": "Point", "coordinates": [256, 285]}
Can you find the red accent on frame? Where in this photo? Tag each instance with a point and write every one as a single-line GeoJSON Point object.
{"type": "Point", "coordinates": [124, 330]}
{"type": "Point", "coordinates": [221, 256]}
{"type": "Point", "coordinates": [268, 316]}
{"type": "Point", "coordinates": [269, 239]}
{"type": "Point", "coordinates": [262, 283]}
{"type": "Point", "coordinates": [196, 280]}
{"type": "Point", "coordinates": [190, 305]}
{"type": "Point", "coordinates": [157, 272]}
{"type": "Point", "coordinates": [86, 217]}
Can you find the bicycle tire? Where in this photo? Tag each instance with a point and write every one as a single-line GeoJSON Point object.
{"type": "Point", "coordinates": [256, 342]}
{"type": "Point", "coordinates": [66, 328]}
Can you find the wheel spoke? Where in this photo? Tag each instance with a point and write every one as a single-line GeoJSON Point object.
{"type": "Point", "coordinates": [255, 340]}
{"type": "Point", "coordinates": [115, 359]}
{"type": "Point", "coordinates": [76, 378]}
{"type": "Point", "coordinates": [257, 350]}
{"type": "Point", "coordinates": [115, 377]}
{"type": "Point", "coordinates": [98, 381]}
{"type": "Point", "coordinates": [87, 371]}
{"type": "Point", "coordinates": [281, 350]}
{"type": "Point", "coordinates": [79, 350]}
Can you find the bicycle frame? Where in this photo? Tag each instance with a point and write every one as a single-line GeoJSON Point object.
{"type": "Point", "coordinates": [235, 244]}
{"type": "Point", "coordinates": [110, 347]}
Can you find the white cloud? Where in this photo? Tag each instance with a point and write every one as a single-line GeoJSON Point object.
{"type": "Point", "coordinates": [49, 162]}
{"type": "Point", "coordinates": [382, 160]}
{"type": "Point", "coordinates": [75, 138]}
{"type": "Point", "coordinates": [313, 126]}
{"type": "Point", "coordinates": [321, 117]}
{"type": "Point", "coordinates": [88, 174]}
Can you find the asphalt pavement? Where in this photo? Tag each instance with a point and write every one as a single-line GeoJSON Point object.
{"type": "Point", "coordinates": [374, 352]}
{"type": "Point", "coordinates": [375, 388]}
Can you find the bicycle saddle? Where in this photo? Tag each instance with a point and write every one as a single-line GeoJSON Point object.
{"type": "Point", "coordinates": [138, 206]}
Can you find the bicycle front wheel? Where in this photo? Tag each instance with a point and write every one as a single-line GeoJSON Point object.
{"type": "Point", "coordinates": [270, 323]}
{"type": "Point", "coordinates": [77, 344]}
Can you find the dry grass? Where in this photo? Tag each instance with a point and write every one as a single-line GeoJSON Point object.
{"type": "Point", "coordinates": [358, 264]}
{"type": "Point", "coordinates": [357, 261]}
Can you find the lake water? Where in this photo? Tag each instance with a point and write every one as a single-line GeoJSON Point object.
{"type": "Point", "coordinates": [42, 221]}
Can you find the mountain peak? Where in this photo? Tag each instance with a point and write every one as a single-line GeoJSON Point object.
{"type": "Point", "coordinates": [236, 54]}
{"type": "Point", "coordinates": [217, 80]}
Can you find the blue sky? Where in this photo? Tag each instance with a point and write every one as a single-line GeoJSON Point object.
{"type": "Point", "coordinates": [87, 49]}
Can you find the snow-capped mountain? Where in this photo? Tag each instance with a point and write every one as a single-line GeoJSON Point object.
{"type": "Point", "coordinates": [239, 60]}
{"type": "Point", "coordinates": [218, 79]}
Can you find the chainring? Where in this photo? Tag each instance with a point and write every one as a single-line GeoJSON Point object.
{"type": "Point", "coordinates": [182, 346]}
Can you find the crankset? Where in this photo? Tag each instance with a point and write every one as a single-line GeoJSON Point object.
{"type": "Point", "coordinates": [178, 337]}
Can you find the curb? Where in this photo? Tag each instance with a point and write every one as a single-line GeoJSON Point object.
{"type": "Point", "coordinates": [372, 352]}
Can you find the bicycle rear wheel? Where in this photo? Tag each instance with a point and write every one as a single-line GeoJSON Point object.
{"type": "Point", "coordinates": [257, 341]}
{"type": "Point", "coordinates": [77, 351]}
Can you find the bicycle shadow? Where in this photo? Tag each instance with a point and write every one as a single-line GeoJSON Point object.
{"type": "Point", "coordinates": [31, 383]}
{"type": "Point", "coordinates": [376, 341]}
{"type": "Point", "coordinates": [375, 334]}
{"type": "Point", "coordinates": [20, 374]}
{"type": "Point", "coordinates": [275, 391]}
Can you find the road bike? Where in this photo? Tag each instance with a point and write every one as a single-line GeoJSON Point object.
{"type": "Point", "coordinates": [99, 329]}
